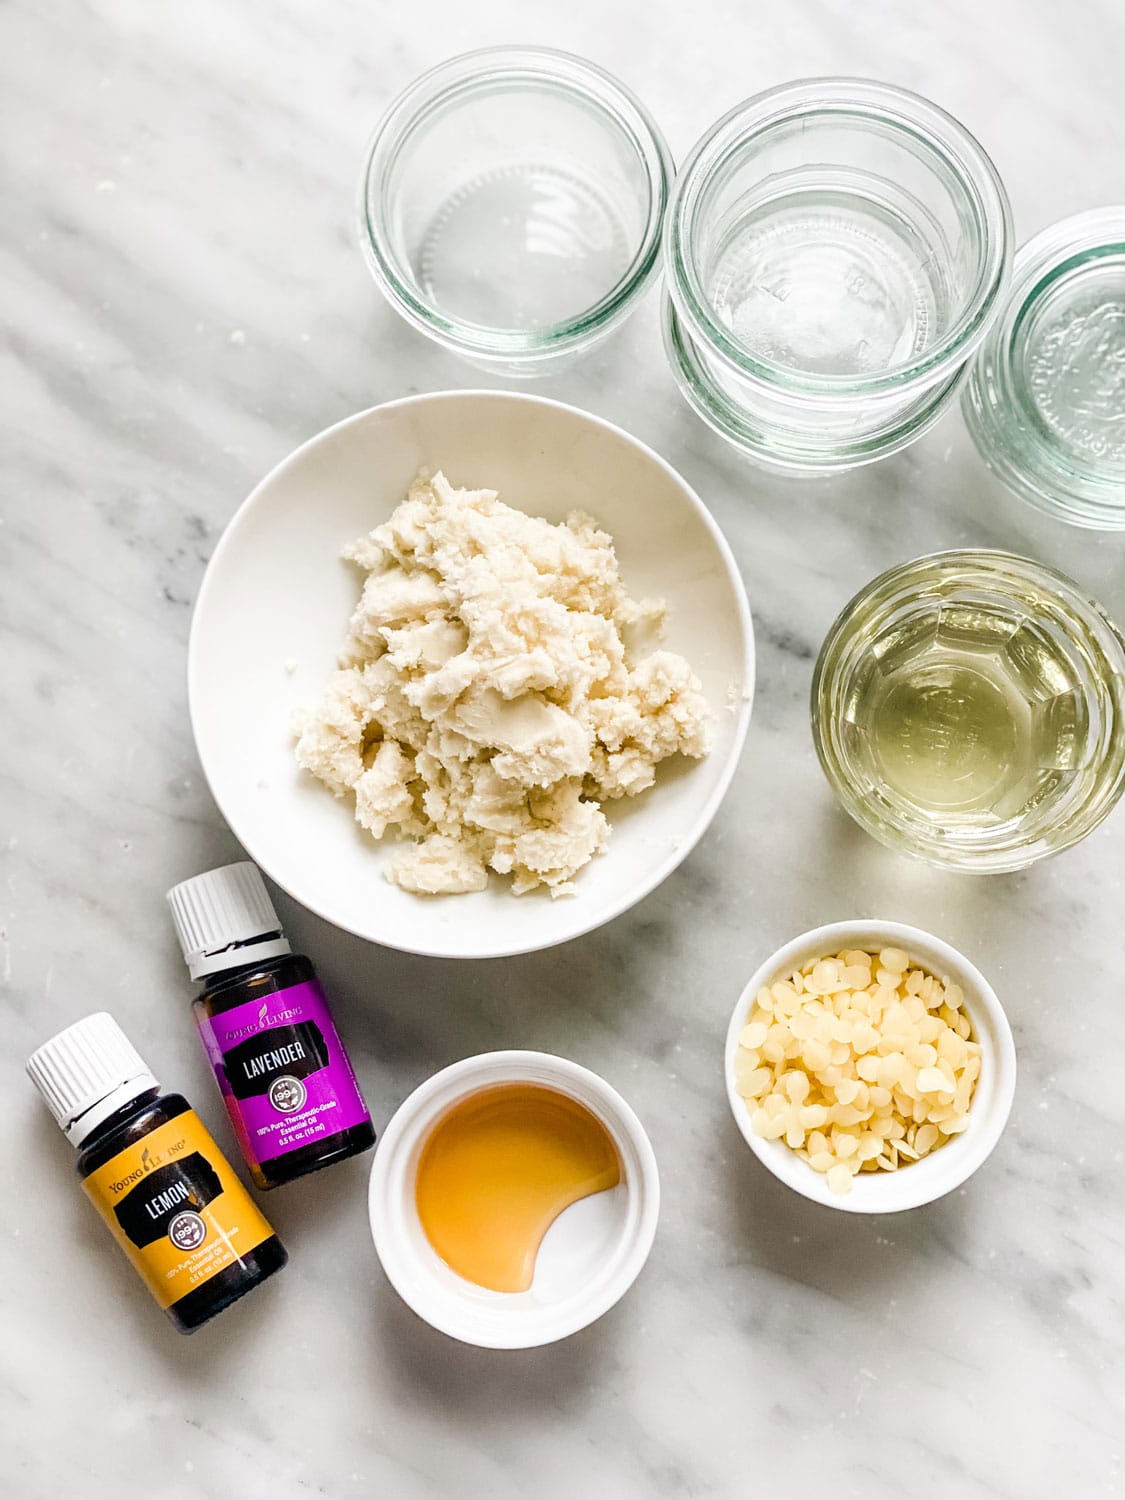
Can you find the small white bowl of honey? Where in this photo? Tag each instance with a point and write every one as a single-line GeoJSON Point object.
{"type": "Point", "coordinates": [513, 1199]}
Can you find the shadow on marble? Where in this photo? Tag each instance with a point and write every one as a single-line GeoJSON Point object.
{"type": "Point", "coordinates": [853, 1258]}
{"type": "Point", "coordinates": [123, 1314]}
{"type": "Point", "coordinates": [464, 1380]}
{"type": "Point", "coordinates": [431, 1012]}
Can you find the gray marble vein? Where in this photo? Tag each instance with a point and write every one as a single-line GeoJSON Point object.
{"type": "Point", "coordinates": [184, 304]}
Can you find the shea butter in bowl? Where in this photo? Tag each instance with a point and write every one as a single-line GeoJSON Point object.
{"type": "Point", "coordinates": [514, 1199]}
{"type": "Point", "coordinates": [870, 1066]}
{"type": "Point", "coordinates": [447, 678]}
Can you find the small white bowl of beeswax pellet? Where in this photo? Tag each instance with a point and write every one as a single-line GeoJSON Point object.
{"type": "Point", "coordinates": [870, 1066]}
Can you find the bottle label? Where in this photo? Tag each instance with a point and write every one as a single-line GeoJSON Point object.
{"type": "Point", "coordinates": [176, 1208]}
{"type": "Point", "coordinates": [285, 1076]}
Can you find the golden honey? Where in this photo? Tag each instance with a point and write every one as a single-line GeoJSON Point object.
{"type": "Point", "coordinates": [496, 1172]}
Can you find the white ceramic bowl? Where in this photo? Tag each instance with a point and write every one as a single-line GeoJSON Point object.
{"type": "Point", "coordinates": [590, 1256]}
{"type": "Point", "coordinates": [942, 1171]}
{"type": "Point", "coordinates": [277, 596]}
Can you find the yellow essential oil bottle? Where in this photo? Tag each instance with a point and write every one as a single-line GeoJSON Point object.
{"type": "Point", "coordinates": [154, 1173]}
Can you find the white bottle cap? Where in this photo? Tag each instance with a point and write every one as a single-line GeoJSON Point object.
{"type": "Point", "coordinates": [225, 918]}
{"type": "Point", "coordinates": [88, 1072]}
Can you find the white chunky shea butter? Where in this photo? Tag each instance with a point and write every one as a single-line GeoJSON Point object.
{"type": "Point", "coordinates": [487, 700]}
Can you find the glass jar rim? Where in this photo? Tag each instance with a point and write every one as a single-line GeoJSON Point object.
{"type": "Point", "coordinates": [1089, 626]}
{"type": "Point", "coordinates": [1035, 469]}
{"type": "Point", "coordinates": [993, 561]}
{"type": "Point", "coordinates": [902, 110]}
{"type": "Point", "coordinates": [472, 72]}
{"type": "Point", "coordinates": [720, 411]}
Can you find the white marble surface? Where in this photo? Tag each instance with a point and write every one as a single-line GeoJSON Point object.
{"type": "Point", "coordinates": [186, 304]}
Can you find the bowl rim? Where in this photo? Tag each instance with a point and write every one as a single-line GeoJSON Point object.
{"type": "Point", "coordinates": [683, 846]}
{"type": "Point", "coordinates": [417, 1115]}
{"type": "Point", "coordinates": [974, 1145]}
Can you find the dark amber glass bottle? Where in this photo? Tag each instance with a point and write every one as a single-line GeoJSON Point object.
{"type": "Point", "coordinates": [287, 1082]}
{"type": "Point", "coordinates": [155, 1174]}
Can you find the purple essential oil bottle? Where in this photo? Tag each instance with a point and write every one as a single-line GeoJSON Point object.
{"type": "Point", "coordinates": [286, 1080]}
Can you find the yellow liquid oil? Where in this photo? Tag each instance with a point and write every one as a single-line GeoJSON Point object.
{"type": "Point", "coordinates": [496, 1172]}
{"type": "Point", "coordinates": [951, 735]}
{"type": "Point", "coordinates": [967, 718]}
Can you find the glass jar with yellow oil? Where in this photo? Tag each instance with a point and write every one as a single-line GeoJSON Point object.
{"type": "Point", "coordinates": [969, 708]}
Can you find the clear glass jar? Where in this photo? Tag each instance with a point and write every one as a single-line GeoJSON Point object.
{"type": "Point", "coordinates": [762, 429]}
{"type": "Point", "coordinates": [969, 708]}
{"type": "Point", "coordinates": [1046, 400]}
{"type": "Point", "coordinates": [834, 252]}
{"type": "Point", "coordinates": [511, 206]}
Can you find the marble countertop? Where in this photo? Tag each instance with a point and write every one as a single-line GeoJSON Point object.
{"type": "Point", "coordinates": [186, 304]}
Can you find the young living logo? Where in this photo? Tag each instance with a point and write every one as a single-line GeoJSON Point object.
{"type": "Point", "coordinates": [263, 1019]}
{"type": "Point", "coordinates": [148, 1163]}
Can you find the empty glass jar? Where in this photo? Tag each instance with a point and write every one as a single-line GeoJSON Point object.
{"type": "Point", "coordinates": [834, 252]}
{"type": "Point", "coordinates": [1046, 400]}
{"type": "Point", "coordinates": [969, 708]}
{"type": "Point", "coordinates": [512, 204]}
